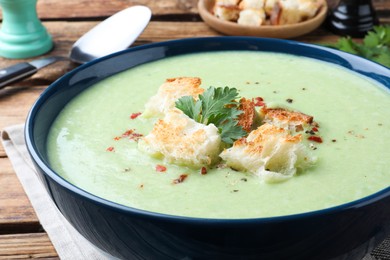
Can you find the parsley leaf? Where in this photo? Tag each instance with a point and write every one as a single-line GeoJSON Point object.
{"type": "Point", "coordinates": [375, 45]}
{"type": "Point", "coordinates": [230, 131]}
{"type": "Point", "coordinates": [215, 106]}
{"type": "Point", "coordinates": [190, 107]}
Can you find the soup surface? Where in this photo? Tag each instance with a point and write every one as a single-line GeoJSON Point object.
{"type": "Point", "coordinates": [87, 147]}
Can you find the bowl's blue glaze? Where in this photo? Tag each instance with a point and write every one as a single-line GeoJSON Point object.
{"type": "Point", "coordinates": [347, 231]}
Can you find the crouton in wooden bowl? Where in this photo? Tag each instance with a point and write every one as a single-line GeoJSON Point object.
{"type": "Point", "coordinates": [264, 18]}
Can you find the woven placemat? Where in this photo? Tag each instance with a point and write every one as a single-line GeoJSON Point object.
{"type": "Point", "coordinates": [382, 251]}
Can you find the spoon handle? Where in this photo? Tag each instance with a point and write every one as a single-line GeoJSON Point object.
{"type": "Point", "coordinates": [15, 73]}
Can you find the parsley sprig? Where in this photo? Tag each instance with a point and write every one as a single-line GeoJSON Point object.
{"type": "Point", "coordinates": [375, 45]}
{"type": "Point", "coordinates": [216, 106]}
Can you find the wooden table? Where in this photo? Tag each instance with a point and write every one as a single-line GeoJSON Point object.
{"type": "Point", "coordinates": [21, 235]}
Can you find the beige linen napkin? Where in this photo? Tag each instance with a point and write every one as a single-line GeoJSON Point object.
{"type": "Point", "coordinates": [66, 240]}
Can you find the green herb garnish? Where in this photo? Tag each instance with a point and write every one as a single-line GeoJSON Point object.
{"type": "Point", "coordinates": [375, 45]}
{"type": "Point", "coordinates": [216, 106]}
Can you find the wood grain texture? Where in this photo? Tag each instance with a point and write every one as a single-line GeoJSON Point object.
{"type": "Point", "coordinates": [86, 9]}
{"type": "Point", "coordinates": [16, 212]}
{"type": "Point", "coordinates": [15, 102]}
{"type": "Point", "coordinates": [97, 9]}
{"type": "Point", "coordinates": [26, 246]}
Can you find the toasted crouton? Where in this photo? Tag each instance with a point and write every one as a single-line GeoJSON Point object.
{"type": "Point", "coordinates": [309, 8]}
{"type": "Point", "coordinates": [227, 12]}
{"type": "Point", "coordinates": [227, 2]}
{"type": "Point", "coordinates": [290, 120]}
{"type": "Point", "coordinates": [294, 11]}
{"type": "Point", "coordinates": [269, 152]}
{"type": "Point", "coordinates": [286, 12]}
{"type": "Point", "coordinates": [269, 6]}
{"type": "Point", "coordinates": [249, 119]}
{"type": "Point", "coordinates": [180, 140]}
{"type": "Point", "coordinates": [282, 114]}
{"type": "Point", "coordinates": [251, 17]}
{"type": "Point", "coordinates": [252, 4]}
{"type": "Point", "coordinates": [169, 92]}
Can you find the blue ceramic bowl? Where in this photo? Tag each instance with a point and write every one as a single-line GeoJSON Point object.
{"type": "Point", "coordinates": [347, 231]}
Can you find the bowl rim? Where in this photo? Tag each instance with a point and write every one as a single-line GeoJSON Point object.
{"type": "Point", "coordinates": [50, 173]}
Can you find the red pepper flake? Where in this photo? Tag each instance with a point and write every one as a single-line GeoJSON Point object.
{"type": "Point", "coordinates": [117, 138]}
{"type": "Point", "coordinates": [160, 168]}
{"type": "Point", "coordinates": [110, 149]}
{"type": "Point", "coordinates": [127, 133]}
{"type": "Point", "coordinates": [315, 139]}
{"type": "Point", "coordinates": [135, 136]}
{"type": "Point", "coordinates": [315, 129]}
{"type": "Point", "coordinates": [259, 102]}
{"type": "Point", "coordinates": [203, 170]}
{"type": "Point", "coordinates": [132, 135]}
{"type": "Point", "coordinates": [180, 179]}
{"type": "Point", "coordinates": [135, 115]}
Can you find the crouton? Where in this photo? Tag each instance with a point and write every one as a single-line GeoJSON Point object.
{"type": "Point", "coordinates": [285, 12]}
{"type": "Point", "coordinates": [227, 12]}
{"type": "Point", "coordinates": [227, 2]}
{"type": "Point", "coordinates": [269, 152]}
{"type": "Point", "coordinates": [252, 4]}
{"type": "Point", "coordinates": [249, 119]}
{"type": "Point", "coordinates": [294, 11]}
{"type": "Point", "coordinates": [251, 17]}
{"type": "Point", "coordinates": [309, 8]}
{"type": "Point", "coordinates": [169, 92]}
{"type": "Point", "coordinates": [290, 120]}
{"type": "Point", "coordinates": [269, 6]}
{"type": "Point", "coordinates": [180, 140]}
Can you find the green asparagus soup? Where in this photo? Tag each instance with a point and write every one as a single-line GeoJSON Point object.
{"type": "Point", "coordinates": [93, 141]}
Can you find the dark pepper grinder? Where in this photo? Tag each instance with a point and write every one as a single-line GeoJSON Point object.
{"type": "Point", "coordinates": [353, 18]}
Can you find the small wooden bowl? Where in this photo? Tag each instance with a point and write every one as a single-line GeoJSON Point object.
{"type": "Point", "coordinates": [205, 8]}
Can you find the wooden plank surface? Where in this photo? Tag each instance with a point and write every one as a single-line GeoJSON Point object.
{"type": "Point", "coordinates": [27, 246]}
{"type": "Point", "coordinates": [21, 236]}
{"type": "Point", "coordinates": [86, 9]}
{"type": "Point", "coordinates": [15, 206]}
